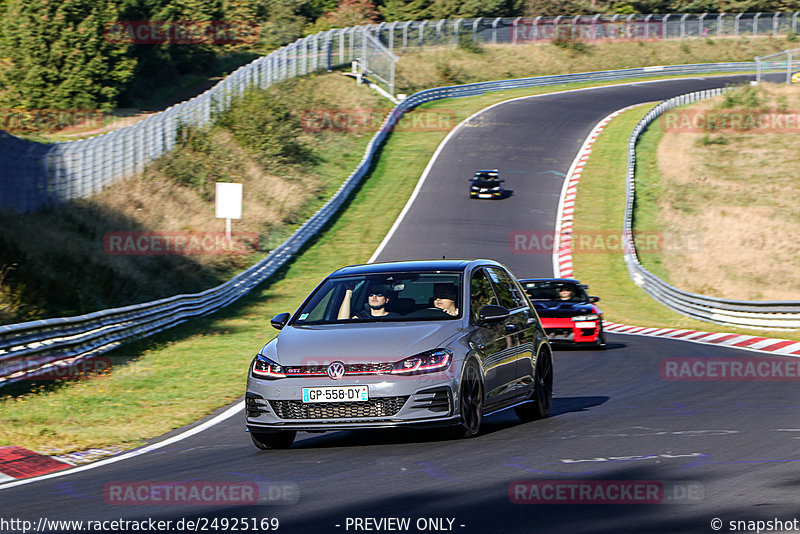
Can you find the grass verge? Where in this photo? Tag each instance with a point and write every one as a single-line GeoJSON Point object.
{"type": "Point", "coordinates": [181, 375]}
{"type": "Point", "coordinates": [603, 181]}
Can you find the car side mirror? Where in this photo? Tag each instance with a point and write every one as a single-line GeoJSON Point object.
{"type": "Point", "coordinates": [280, 320]}
{"type": "Point", "coordinates": [492, 313]}
{"type": "Point", "coordinates": [594, 299]}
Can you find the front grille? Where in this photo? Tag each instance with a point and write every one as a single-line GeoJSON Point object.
{"type": "Point", "coordinates": [256, 406]}
{"type": "Point", "coordinates": [560, 333]}
{"type": "Point", "coordinates": [379, 407]}
{"type": "Point", "coordinates": [435, 400]}
{"type": "Point", "coordinates": [349, 369]}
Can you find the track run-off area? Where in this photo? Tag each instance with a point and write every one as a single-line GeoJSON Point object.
{"type": "Point", "coordinates": [626, 448]}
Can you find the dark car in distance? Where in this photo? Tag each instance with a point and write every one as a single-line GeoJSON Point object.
{"type": "Point", "coordinates": [568, 313]}
{"type": "Point", "coordinates": [486, 184]}
{"type": "Point", "coordinates": [415, 343]}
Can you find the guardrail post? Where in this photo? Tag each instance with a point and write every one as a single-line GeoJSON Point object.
{"type": "Point", "coordinates": [701, 30]}
{"type": "Point", "coordinates": [775, 23]}
{"type": "Point", "coordinates": [495, 23]}
{"type": "Point", "coordinates": [719, 24]}
{"type": "Point", "coordinates": [514, 25]}
{"type": "Point", "coordinates": [456, 29]}
{"type": "Point", "coordinates": [475, 24]}
{"type": "Point", "coordinates": [755, 24]}
{"type": "Point", "coordinates": [683, 26]}
{"type": "Point", "coordinates": [596, 19]}
{"type": "Point", "coordinates": [422, 31]}
{"type": "Point", "coordinates": [664, 25]}
{"type": "Point", "coordinates": [406, 26]}
{"type": "Point", "coordinates": [736, 24]}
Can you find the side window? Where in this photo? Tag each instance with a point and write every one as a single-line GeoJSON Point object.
{"type": "Point", "coordinates": [507, 291]}
{"type": "Point", "coordinates": [481, 293]}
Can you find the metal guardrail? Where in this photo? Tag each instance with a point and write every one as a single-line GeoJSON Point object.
{"type": "Point", "coordinates": [36, 347]}
{"type": "Point", "coordinates": [769, 314]}
{"type": "Point", "coordinates": [35, 175]}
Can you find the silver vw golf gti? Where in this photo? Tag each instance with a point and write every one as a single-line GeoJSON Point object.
{"type": "Point", "coordinates": [422, 343]}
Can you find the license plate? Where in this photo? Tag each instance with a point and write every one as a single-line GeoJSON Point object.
{"type": "Point", "coordinates": [585, 324]}
{"type": "Point", "coordinates": [336, 394]}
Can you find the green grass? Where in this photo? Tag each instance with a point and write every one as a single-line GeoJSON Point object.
{"type": "Point", "coordinates": [181, 375]}
{"type": "Point", "coordinates": [603, 181]}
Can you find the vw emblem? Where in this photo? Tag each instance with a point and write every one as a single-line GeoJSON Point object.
{"type": "Point", "coordinates": [336, 370]}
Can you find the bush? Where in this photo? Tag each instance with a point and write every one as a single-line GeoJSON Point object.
{"type": "Point", "coordinates": [269, 123]}
{"type": "Point", "coordinates": [467, 43]}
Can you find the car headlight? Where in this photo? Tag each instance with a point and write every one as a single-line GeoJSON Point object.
{"type": "Point", "coordinates": [590, 317]}
{"type": "Point", "coordinates": [263, 367]}
{"type": "Point", "coordinates": [431, 361]}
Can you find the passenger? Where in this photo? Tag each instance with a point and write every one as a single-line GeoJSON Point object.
{"type": "Point", "coordinates": [445, 297]}
{"type": "Point", "coordinates": [377, 299]}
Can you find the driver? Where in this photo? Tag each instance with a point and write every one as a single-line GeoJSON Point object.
{"type": "Point", "coordinates": [377, 299]}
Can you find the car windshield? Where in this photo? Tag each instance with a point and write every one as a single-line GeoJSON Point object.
{"type": "Point", "coordinates": [486, 177]}
{"type": "Point", "coordinates": [556, 290]}
{"type": "Point", "coordinates": [371, 298]}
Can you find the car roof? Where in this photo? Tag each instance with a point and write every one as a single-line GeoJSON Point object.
{"type": "Point", "coordinates": [410, 266]}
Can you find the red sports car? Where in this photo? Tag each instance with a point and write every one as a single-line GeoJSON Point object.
{"type": "Point", "coordinates": [568, 314]}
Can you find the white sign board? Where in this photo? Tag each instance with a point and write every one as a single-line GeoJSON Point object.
{"type": "Point", "coordinates": [229, 201]}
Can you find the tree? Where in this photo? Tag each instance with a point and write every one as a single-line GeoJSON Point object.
{"type": "Point", "coordinates": [55, 55]}
{"type": "Point", "coordinates": [353, 13]}
{"type": "Point", "coordinates": [451, 9]}
{"type": "Point", "coordinates": [394, 10]}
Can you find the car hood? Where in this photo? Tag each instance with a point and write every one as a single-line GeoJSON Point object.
{"type": "Point", "coordinates": [358, 343]}
{"type": "Point", "coordinates": [555, 308]}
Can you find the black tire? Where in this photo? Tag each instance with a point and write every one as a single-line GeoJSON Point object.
{"type": "Point", "coordinates": [543, 394]}
{"type": "Point", "coordinates": [273, 440]}
{"type": "Point", "coordinates": [601, 339]}
{"type": "Point", "coordinates": [470, 399]}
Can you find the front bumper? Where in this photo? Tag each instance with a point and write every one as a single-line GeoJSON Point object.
{"type": "Point", "coordinates": [490, 194]}
{"type": "Point", "coordinates": [565, 330]}
{"type": "Point", "coordinates": [395, 401]}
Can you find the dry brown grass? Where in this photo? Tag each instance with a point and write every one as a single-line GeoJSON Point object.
{"type": "Point", "coordinates": [740, 199]}
{"type": "Point", "coordinates": [448, 65]}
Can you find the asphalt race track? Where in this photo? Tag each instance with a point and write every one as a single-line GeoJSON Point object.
{"type": "Point", "coordinates": [720, 449]}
